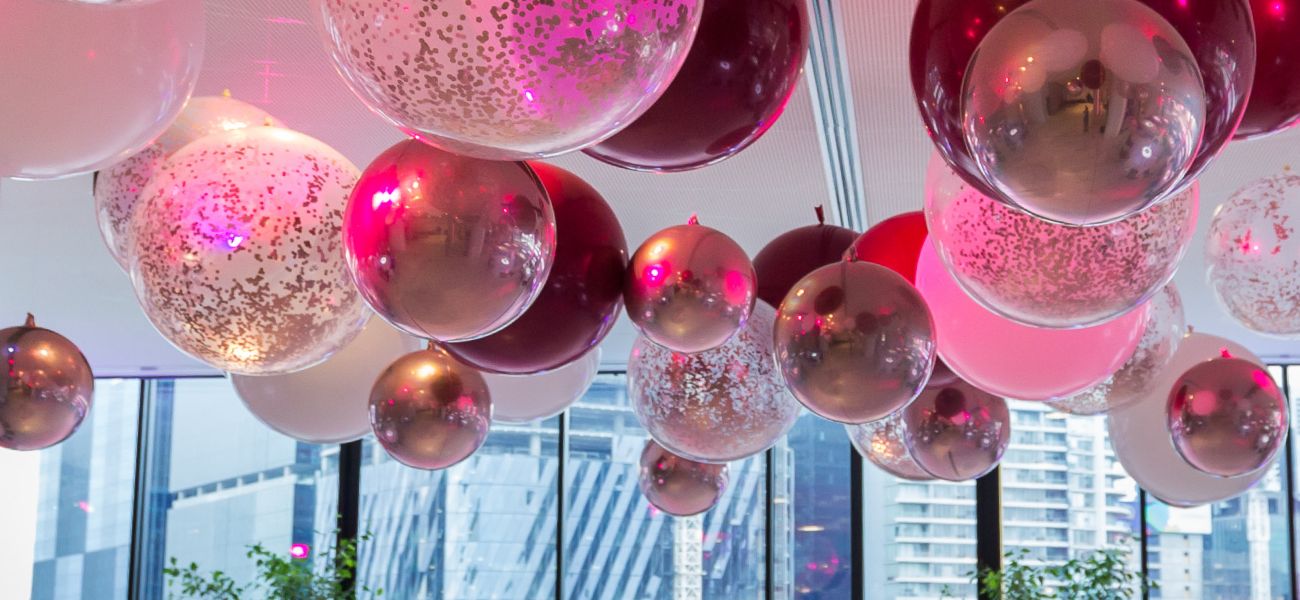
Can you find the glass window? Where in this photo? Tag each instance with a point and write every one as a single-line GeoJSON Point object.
{"type": "Point", "coordinates": [812, 483]}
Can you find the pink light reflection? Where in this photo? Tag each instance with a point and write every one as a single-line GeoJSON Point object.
{"type": "Point", "coordinates": [299, 551]}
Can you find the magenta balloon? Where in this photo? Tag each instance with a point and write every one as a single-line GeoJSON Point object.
{"type": "Point", "coordinates": [46, 387]}
{"type": "Point", "coordinates": [742, 67]}
{"type": "Point", "coordinates": [955, 431]}
{"type": "Point", "coordinates": [689, 288]}
{"type": "Point", "coordinates": [854, 341]}
{"type": "Point", "coordinates": [1013, 360]}
{"type": "Point", "coordinates": [1227, 416]}
{"type": "Point", "coordinates": [1049, 275]}
{"type": "Point", "coordinates": [882, 443]}
{"type": "Point", "coordinates": [680, 486]}
{"type": "Point", "coordinates": [430, 411]}
{"type": "Point", "coordinates": [447, 247]}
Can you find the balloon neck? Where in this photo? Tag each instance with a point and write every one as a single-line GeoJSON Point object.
{"type": "Point", "coordinates": [268, 122]}
{"type": "Point", "coordinates": [31, 321]}
{"type": "Point", "coordinates": [225, 93]}
{"type": "Point", "coordinates": [430, 345]}
{"type": "Point", "coordinates": [821, 214]}
{"type": "Point", "coordinates": [694, 220]}
{"type": "Point", "coordinates": [851, 255]}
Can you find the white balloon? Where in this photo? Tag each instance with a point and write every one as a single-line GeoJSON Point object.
{"type": "Point", "coordinates": [1139, 434]}
{"type": "Point", "coordinates": [86, 85]}
{"type": "Point", "coordinates": [328, 403]}
{"type": "Point", "coordinates": [525, 398]}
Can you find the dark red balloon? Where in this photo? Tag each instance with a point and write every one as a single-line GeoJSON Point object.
{"type": "Point", "coordinates": [796, 253]}
{"type": "Point", "coordinates": [946, 32]}
{"type": "Point", "coordinates": [894, 243]}
{"type": "Point", "coordinates": [1275, 96]}
{"type": "Point", "coordinates": [736, 80]}
{"type": "Point", "coordinates": [583, 293]}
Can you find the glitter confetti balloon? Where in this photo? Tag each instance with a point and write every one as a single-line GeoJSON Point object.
{"type": "Point", "coordinates": [1252, 255]}
{"type": "Point", "coordinates": [1048, 275]}
{"type": "Point", "coordinates": [680, 486]}
{"type": "Point", "coordinates": [1083, 113]}
{"type": "Point", "coordinates": [715, 406]}
{"type": "Point", "coordinates": [46, 387]}
{"type": "Point", "coordinates": [237, 257]}
{"type": "Point", "coordinates": [430, 411]}
{"type": "Point", "coordinates": [854, 341]}
{"type": "Point", "coordinates": [509, 80]}
{"type": "Point", "coordinates": [447, 247]}
{"type": "Point", "coordinates": [881, 442]}
{"type": "Point", "coordinates": [1165, 328]}
{"type": "Point", "coordinates": [1227, 416]}
{"type": "Point", "coordinates": [117, 188]}
{"type": "Point", "coordinates": [689, 288]}
{"type": "Point", "coordinates": [954, 430]}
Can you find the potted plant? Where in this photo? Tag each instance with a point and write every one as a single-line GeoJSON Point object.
{"type": "Point", "coordinates": [279, 576]}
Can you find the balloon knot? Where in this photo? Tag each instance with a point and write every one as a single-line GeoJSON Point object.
{"type": "Point", "coordinates": [821, 214]}
{"type": "Point", "coordinates": [694, 220]}
{"type": "Point", "coordinates": [225, 93]}
{"type": "Point", "coordinates": [31, 321]}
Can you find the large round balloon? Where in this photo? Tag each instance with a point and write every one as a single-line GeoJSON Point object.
{"type": "Point", "coordinates": [117, 188]}
{"type": "Point", "coordinates": [509, 80]}
{"type": "Point", "coordinates": [1164, 329]}
{"type": "Point", "coordinates": [583, 293]}
{"type": "Point", "coordinates": [955, 431]}
{"type": "Point", "coordinates": [87, 85]}
{"type": "Point", "coordinates": [46, 387]}
{"type": "Point", "coordinates": [1083, 113]}
{"type": "Point", "coordinates": [327, 403]}
{"type": "Point", "coordinates": [881, 442]}
{"type": "Point", "coordinates": [237, 257]}
{"type": "Point", "coordinates": [714, 406]}
{"type": "Point", "coordinates": [680, 486]}
{"type": "Point", "coordinates": [1048, 275]}
{"type": "Point", "coordinates": [1252, 255]}
{"type": "Point", "coordinates": [528, 398]}
{"type": "Point", "coordinates": [945, 34]}
{"type": "Point", "coordinates": [854, 342]}
{"type": "Point", "coordinates": [794, 254]}
{"type": "Point", "coordinates": [430, 411]}
{"type": "Point", "coordinates": [447, 247]}
{"type": "Point", "coordinates": [1140, 435]}
{"type": "Point", "coordinates": [1227, 416]}
{"type": "Point", "coordinates": [740, 72]}
{"type": "Point", "coordinates": [1012, 360]}
{"type": "Point", "coordinates": [689, 288]}
{"type": "Point", "coordinates": [1275, 96]}
{"type": "Point", "coordinates": [894, 243]}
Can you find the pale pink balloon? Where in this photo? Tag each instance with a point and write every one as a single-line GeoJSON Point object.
{"type": "Point", "coordinates": [680, 486]}
{"type": "Point", "coordinates": [88, 85]}
{"type": "Point", "coordinates": [509, 80]}
{"type": "Point", "coordinates": [1012, 360]}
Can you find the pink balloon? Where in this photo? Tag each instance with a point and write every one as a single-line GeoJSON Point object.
{"type": "Point", "coordinates": [955, 431]}
{"type": "Point", "coordinates": [680, 486]}
{"type": "Point", "coordinates": [430, 411]}
{"type": "Point", "coordinates": [1227, 416]}
{"type": "Point", "coordinates": [1012, 360]}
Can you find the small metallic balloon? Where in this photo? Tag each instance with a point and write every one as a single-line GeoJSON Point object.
{"type": "Point", "coordinates": [689, 288]}
{"type": "Point", "coordinates": [117, 188]}
{"type": "Point", "coordinates": [954, 430]}
{"type": "Point", "coordinates": [236, 254]}
{"type": "Point", "coordinates": [447, 247]}
{"type": "Point", "coordinates": [1083, 113]}
{"type": "Point", "coordinates": [1163, 331]}
{"type": "Point", "coordinates": [680, 486]}
{"type": "Point", "coordinates": [881, 442]}
{"type": "Point", "coordinates": [1049, 275]}
{"type": "Point", "coordinates": [430, 411]}
{"type": "Point", "coordinates": [1275, 96]}
{"type": "Point", "coordinates": [46, 387]}
{"type": "Point", "coordinates": [854, 341]}
{"type": "Point", "coordinates": [1252, 255]}
{"type": "Point", "coordinates": [794, 254]}
{"type": "Point", "coordinates": [714, 406]}
{"type": "Point", "coordinates": [1227, 416]}
{"type": "Point", "coordinates": [513, 79]}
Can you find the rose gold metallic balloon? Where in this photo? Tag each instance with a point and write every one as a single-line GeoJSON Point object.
{"type": "Point", "coordinates": [690, 288]}
{"type": "Point", "coordinates": [46, 387]}
{"type": "Point", "coordinates": [714, 406]}
{"type": "Point", "coordinates": [237, 257]}
{"type": "Point", "coordinates": [1227, 416]}
{"type": "Point", "coordinates": [680, 486]}
{"type": "Point", "coordinates": [854, 341]}
{"type": "Point", "coordinates": [430, 411]}
{"type": "Point", "coordinates": [881, 442]}
{"type": "Point", "coordinates": [954, 430]}
{"type": "Point", "coordinates": [447, 247]}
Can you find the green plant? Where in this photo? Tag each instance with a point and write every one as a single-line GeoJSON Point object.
{"type": "Point", "coordinates": [1101, 575]}
{"type": "Point", "coordinates": [278, 576]}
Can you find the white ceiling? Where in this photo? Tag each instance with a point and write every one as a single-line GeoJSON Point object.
{"type": "Point", "coordinates": [266, 52]}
